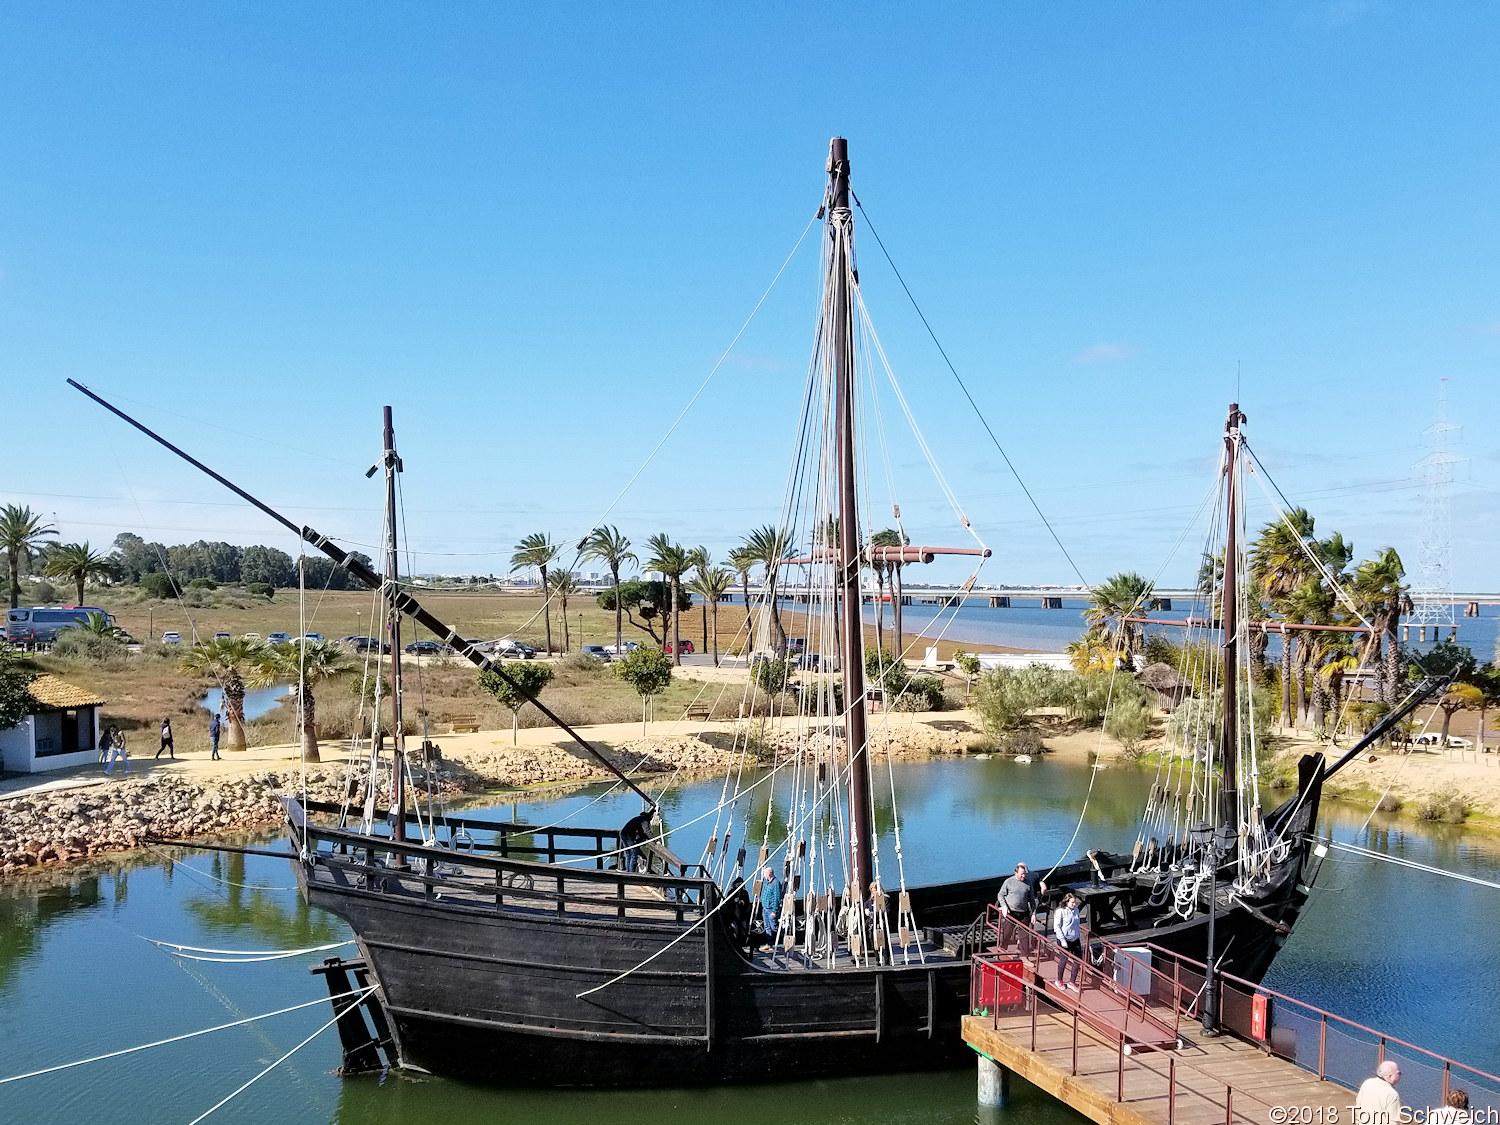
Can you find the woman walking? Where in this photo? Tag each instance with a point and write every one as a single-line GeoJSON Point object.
{"type": "Point", "coordinates": [1067, 926]}
{"type": "Point", "coordinates": [166, 740]}
{"type": "Point", "coordinates": [114, 741]}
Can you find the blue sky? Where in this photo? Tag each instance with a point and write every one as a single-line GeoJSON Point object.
{"type": "Point", "coordinates": [532, 229]}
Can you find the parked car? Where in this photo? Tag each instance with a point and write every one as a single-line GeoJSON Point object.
{"type": "Point", "coordinates": [598, 652]}
{"type": "Point", "coordinates": [512, 650]}
{"type": "Point", "coordinates": [425, 648]}
{"type": "Point", "coordinates": [312, 636]}
{"type": "Point", "coordinates": [173, 637]}
{"type": "Point", "coordinates": [684, 647]}
{"type": "Point", "coordinates": [221, 636]}
{"type": "Point", "coordinates": [285, 638]}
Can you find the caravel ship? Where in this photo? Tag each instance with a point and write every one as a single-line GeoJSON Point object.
{"type": "Point", "coordinates": [563, 955]}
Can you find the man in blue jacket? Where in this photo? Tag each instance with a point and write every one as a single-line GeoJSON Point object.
{"type": "Point", "coordinates": [771, 893]}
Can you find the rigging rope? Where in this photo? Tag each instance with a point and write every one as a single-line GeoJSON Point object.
{"type": "Point", "coordinates": [1415, 865]}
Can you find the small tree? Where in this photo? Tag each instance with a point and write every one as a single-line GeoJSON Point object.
{"type": "Point", "coordinates": [648, 670]}
{"type": "Point", "coordinates": [968, 664]}
{"type": "Point", "coordinates": [1127, 723]}
{"type": "Point", "coordinates": [16, 701]}
{"type": "Point", "coordinates": [771, 676]}
{"type": "Point", "coordinates": [1458, 697]}
{"type": "Point", "coordinates": [527, 679]}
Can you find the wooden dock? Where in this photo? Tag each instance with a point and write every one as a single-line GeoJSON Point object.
{"type": "Point", "coordinates": [1127, 1047]}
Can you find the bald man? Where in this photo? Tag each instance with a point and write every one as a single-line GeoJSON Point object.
{"type": "Point", "coordinates": [1377, 1102]}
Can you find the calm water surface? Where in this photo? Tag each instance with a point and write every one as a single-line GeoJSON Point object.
{"type": "Point", "coordinates": [1400, 950]}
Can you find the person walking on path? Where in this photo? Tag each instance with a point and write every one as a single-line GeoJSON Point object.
{"type": "Point", "coordinates": [1377, 1102]}
{"type": "Point", "coordinates": [115, 740]}
{"type": "Point", "coordinates": [771, 894]}
{"type": "Point", "coordinates": [166, 740]}
{"type": "Point", "coordinates": [1068, 928]}
{"type": "Point", "coordinates": [214, 730]}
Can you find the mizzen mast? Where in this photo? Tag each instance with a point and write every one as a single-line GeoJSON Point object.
{"type": "Point", "coordinates": [1229, 727]}
{"type": "Point", "coordinates": [392, 464]}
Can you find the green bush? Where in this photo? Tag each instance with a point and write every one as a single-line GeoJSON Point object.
{"type": "Point", "coordinates": [771, 676]}
{"type": "Point", "coordinates": [82, 645]}
{"type": "Point", "coordinates": [923, 693]}
{"type": "Point", "coordinates": [1003, 697]}
{"type": "Point", "coordinates": [1448, 806]}
{"type": "Point", "coordinates": [261, 589]}
{"type": "Point", "coordinates": [202, 584]}
{"type": "Point", "coordinates": [159, 585]}
{"type": "Point", "coordinates": [1128, 721]}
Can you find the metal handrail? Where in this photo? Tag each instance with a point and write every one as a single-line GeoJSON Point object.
{"type": "Point", "coordinates": [1323, 1014]}
{"type": "Point", "coordinates": [1141, 1061]}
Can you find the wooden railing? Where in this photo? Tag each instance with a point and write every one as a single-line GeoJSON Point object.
{"type": "Point", "coordinates": [471, 874]}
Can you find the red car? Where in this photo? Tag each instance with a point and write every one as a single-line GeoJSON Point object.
{"type": "Point", "coordinates": [684, 647]}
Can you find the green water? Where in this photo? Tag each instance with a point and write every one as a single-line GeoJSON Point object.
{"type": "Point", "coordinates": [1394, 948]}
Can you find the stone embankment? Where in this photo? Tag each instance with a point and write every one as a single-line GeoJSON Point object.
{"type": "Point", "coordinates": [68, 825]}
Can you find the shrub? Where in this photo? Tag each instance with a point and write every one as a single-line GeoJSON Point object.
{"type": "Point", "coordinates": [1004, 696]}
{"type": "Point", "coordinates": [884, 670]}
{"type": "Point", "coordinates": [771, 676]}
{"type": "Point", "coordinates": [1127, 723]}
{"type": "Point", "coordinates": [202, 584]}
{"type": "Point", "coordinates": [581, 662]}
{"type": "Point", "coordinates": [1025, 741]}
{"type": "Point", "coordinates": [80, 644]}
{"type": "Point", "coordinates": [1447, 806]}
{"type": "Point", "coordinates": [261, 589]}
{"type": "Point", "coordinates": [159, 585]}
{"type": "Point", "coordinates": [923, 693]}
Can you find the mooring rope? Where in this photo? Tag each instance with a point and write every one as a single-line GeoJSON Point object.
{"type": "Point", "coordinates": [1413, 864]}
{"type": "Point", "coordinates": [361, 993]}
{"type": "Point", "coordinates": [230, 1097]}
{"type": "Point", "coordinates": [240, 956]}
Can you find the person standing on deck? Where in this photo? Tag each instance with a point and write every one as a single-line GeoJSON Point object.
{"type": "Point", "coordinates": [1068, 928]}
{"type": "Point", "coordinates": [1018, 898]}
{"type": "Point", "coordinates": [771, 894]}
{"type": "Point", "coordinates": [166, 740]}
{"type": "Point", "coordinates": [215, 728]}
{"type": "Point", "coordinates": [1377, 1102]}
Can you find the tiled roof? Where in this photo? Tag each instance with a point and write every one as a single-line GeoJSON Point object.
{"type": "Point", "coordinates": [55, 694]}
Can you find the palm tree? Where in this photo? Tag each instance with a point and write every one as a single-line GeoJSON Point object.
{"type": "Point", "coordinates": [561, 583]}
{"type": "Point", "coordinates": [22, 534]}
{"type": "Point", "coordinates": [612, 549]}
{"type": "Point", "coordinates": [1383, 599]}
{"type": "Point", "coordinates": [671, 561]}
{"type": "Point", "coordinates": [699, 561]}
{"type": "Point", "coordinates": [770, 546]}
{"type": "Point", "coordinates": [1280, 563]}
{"type": "Point", "coordinates": [76, 563]}
{"type": "Point", "coordinates": [539, 551]}
{"type": "Point", "coordinates": [303, 665]}
{"type": "Point", "coordinates": [711, 583]}
{"type": "Point", "coordinates": [229, 661]}
{"type": "Point", "coordinates": [1119, 597]}
{"type": "Point", "coordinates": [1310, 604]}
{"type": "Point", "coordinates": [1091, 652]}
{"type": "Point", "coordinates": [890, 537]}
{"type": "Point", "coordinates": [742, 561]}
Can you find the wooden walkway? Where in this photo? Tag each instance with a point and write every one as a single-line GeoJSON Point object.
{"type": "Point", "coordinates": [1209, 1080]}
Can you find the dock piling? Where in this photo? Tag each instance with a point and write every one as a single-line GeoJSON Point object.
{"type": "Point", "coordinates": [994, 1082]}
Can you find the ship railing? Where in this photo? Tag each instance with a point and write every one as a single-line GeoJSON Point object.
{"type": "Point", "coordinates": [508, 839]}
{"type": "Point", "coordinates": [1147, 1069]}
{"type": "Point", "coordinates": [671, 892]}
{"type": "Point", "coordinates": [1333, 1047]}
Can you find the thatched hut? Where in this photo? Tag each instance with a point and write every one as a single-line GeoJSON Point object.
{"type": "Point", "coordinates": [1169, 686]}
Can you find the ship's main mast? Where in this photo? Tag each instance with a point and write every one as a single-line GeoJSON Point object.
{"type": "Point", "coordinates": [851, 620]}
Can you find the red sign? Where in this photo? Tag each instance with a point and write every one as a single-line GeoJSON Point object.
{"type": "Point", "coordinates": [1000, 984]}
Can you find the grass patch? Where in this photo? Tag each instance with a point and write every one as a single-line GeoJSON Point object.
{"type": "Point", "coordinates": [1446, 806]}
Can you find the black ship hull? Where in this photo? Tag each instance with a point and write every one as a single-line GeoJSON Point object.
{"type": "Point", "coordinates": [500, 991]}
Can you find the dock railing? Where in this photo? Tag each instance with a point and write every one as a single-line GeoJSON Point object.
{"type": "Point", "coordinates": [1333, 1047]}
{"type": "Point", "coordinates": [1149, 1074]}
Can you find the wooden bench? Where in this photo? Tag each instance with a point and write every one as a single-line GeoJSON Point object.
{"type": "Point", "coordinates": [464, 724]}
{"type": "Point", "coordinates": [699, 711]}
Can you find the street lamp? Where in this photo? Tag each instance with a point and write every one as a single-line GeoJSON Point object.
{"type": "Point", "coordinates": [580, 630]}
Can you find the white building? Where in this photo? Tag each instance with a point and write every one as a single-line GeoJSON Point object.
{"type": "Point", "coordinates": [63, 730]}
